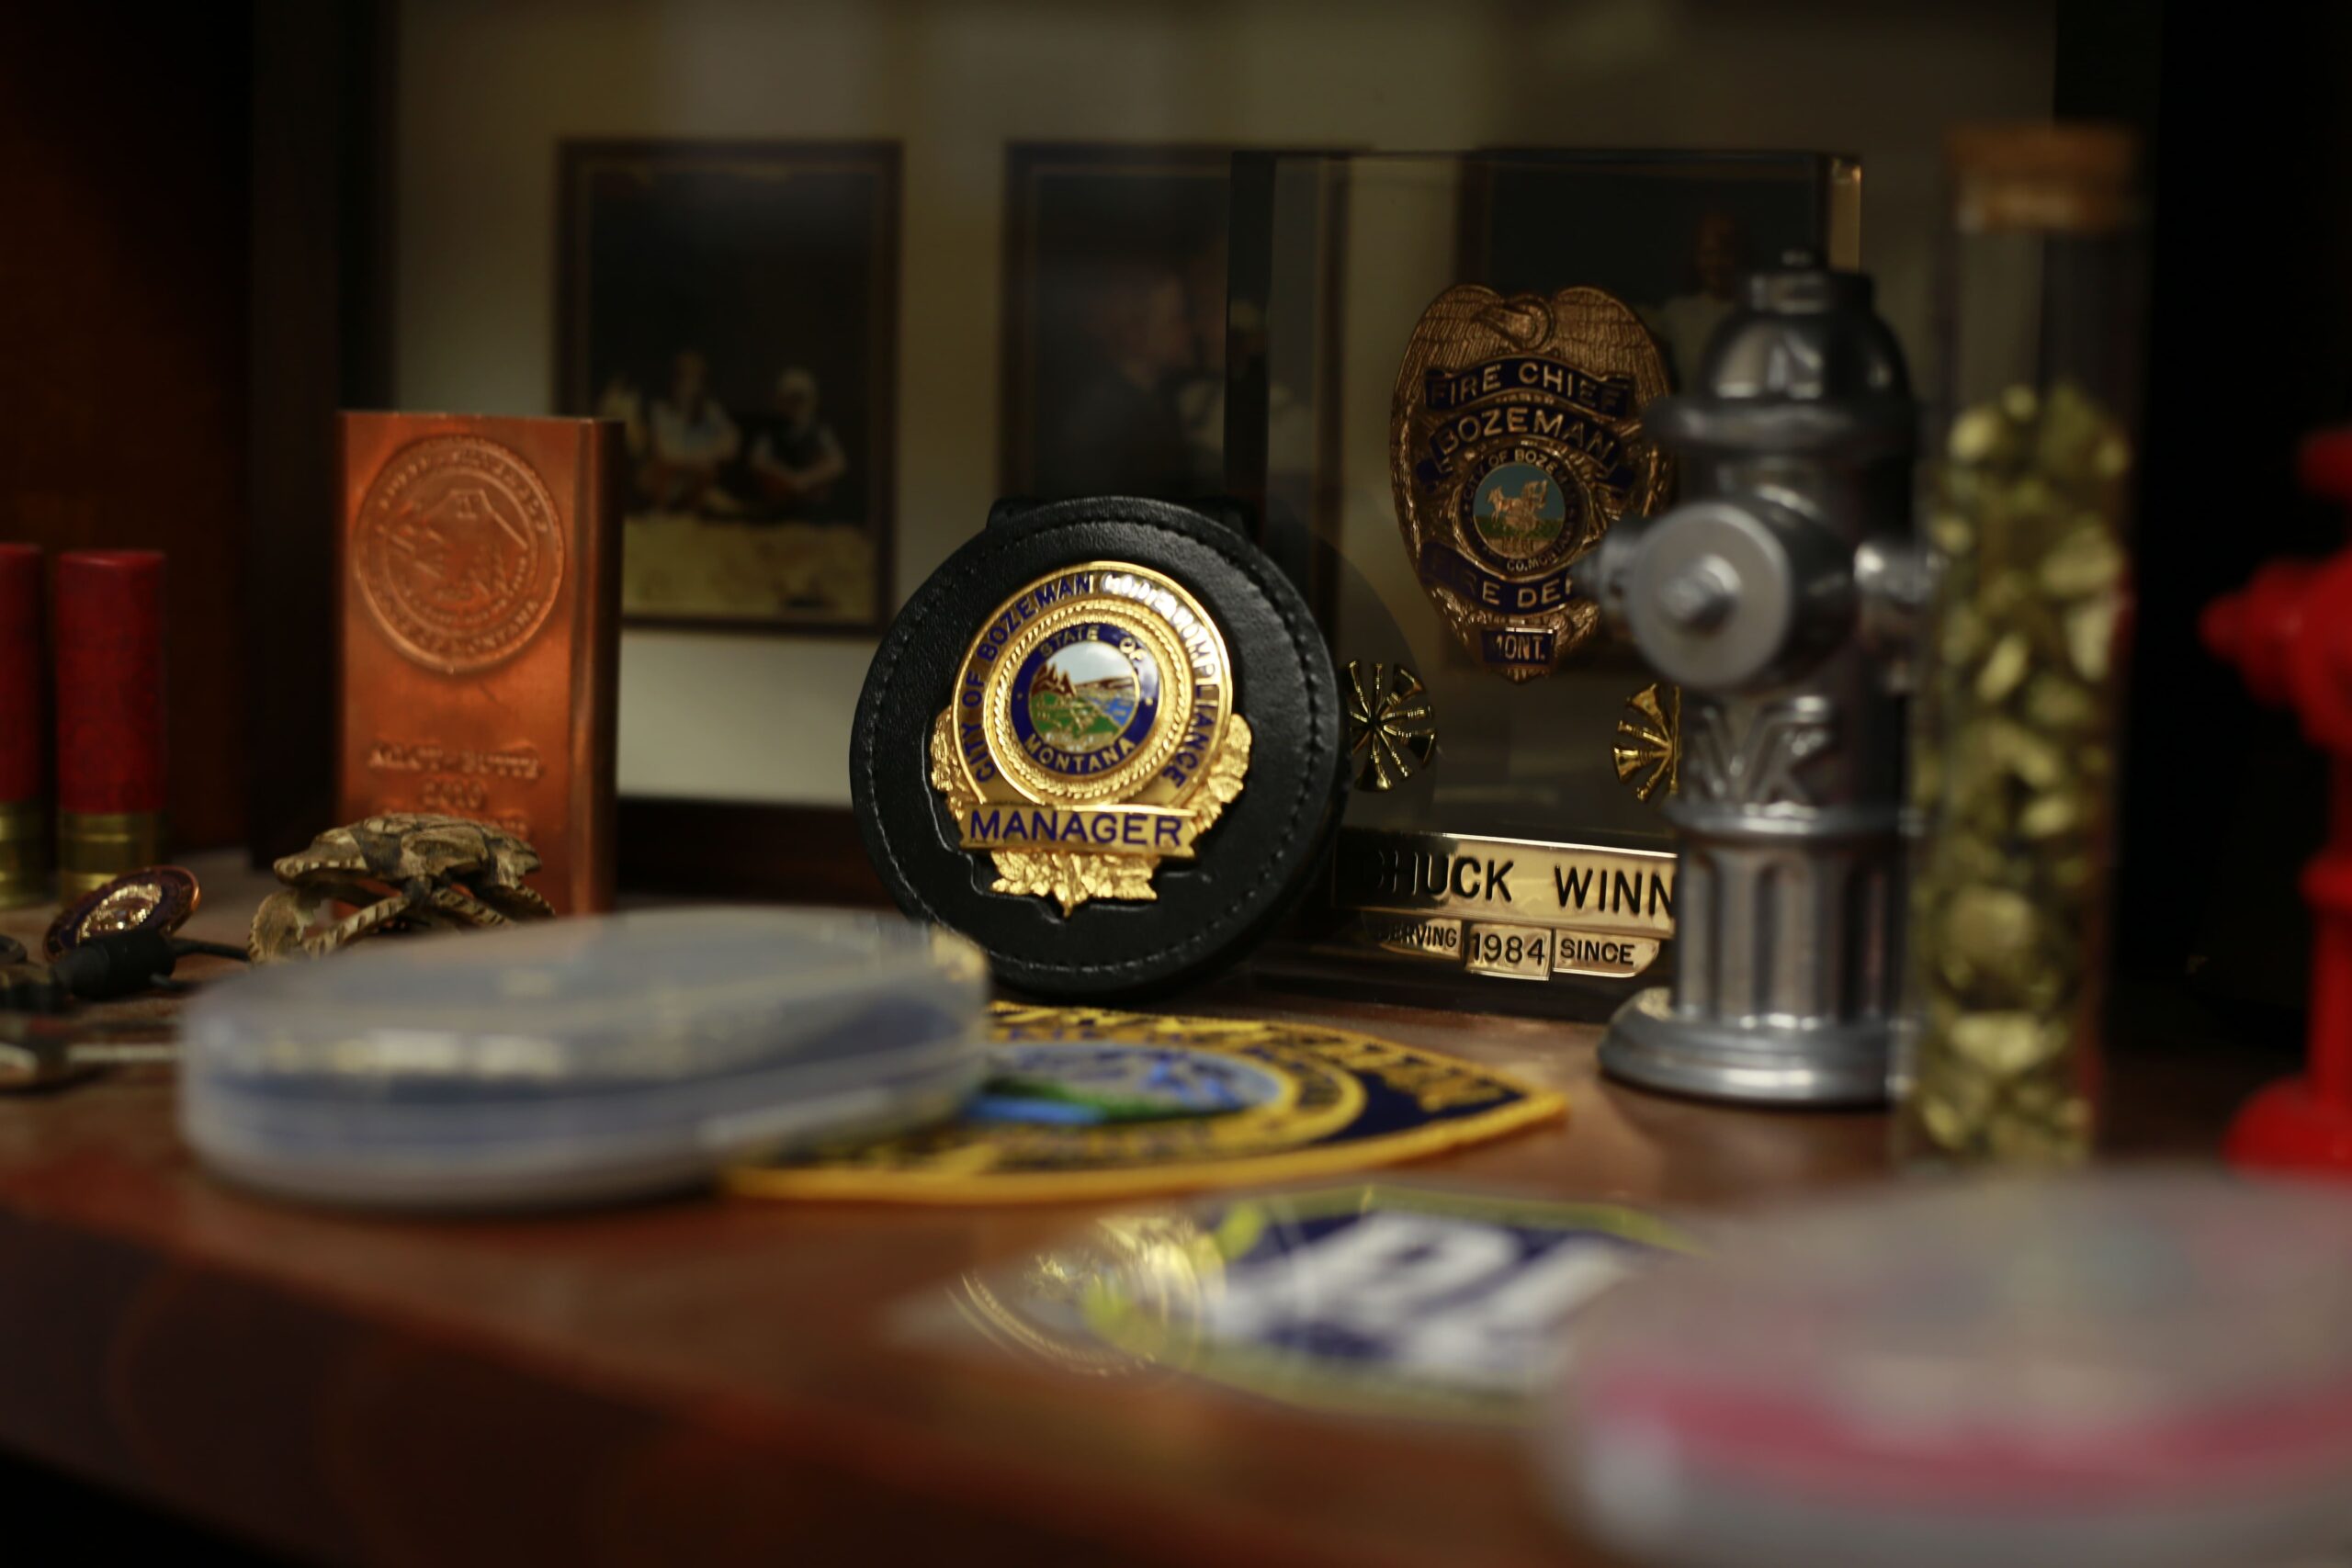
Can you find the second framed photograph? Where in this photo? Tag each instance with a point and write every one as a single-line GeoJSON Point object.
{"type": "Point", "coordinates": [1115, 318]}
{"type": "Point", "coordinates": [735, 304]}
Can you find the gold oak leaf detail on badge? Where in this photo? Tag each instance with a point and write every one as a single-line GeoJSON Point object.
{"type": "Point", "coordinates": [1072, 879]}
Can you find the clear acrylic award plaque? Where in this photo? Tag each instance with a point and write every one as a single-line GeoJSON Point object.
{"type": "Point", "coordinates": [1437, 370]}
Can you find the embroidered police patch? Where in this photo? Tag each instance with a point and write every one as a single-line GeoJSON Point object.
{"type": "Point", "coordinates": [1378, 1297]}
{"type": "Point", "coordinates": [1129, 1103]}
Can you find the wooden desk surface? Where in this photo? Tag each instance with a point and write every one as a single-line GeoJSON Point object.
{"type": "Point", "coordinates": [720, 1380]}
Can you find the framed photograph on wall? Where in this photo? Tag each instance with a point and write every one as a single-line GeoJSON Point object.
{"type": "Point", "coordinates": [735, 304]}
{"type": "Point", "coordinates": [1115, 321]}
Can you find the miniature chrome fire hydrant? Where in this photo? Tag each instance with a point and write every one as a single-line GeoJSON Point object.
{"type": "Point", "coordinates": [1780, 596]}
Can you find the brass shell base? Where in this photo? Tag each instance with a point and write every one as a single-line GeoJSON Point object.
{"type": "Point", "coordinates": [25, 862]}
{"type": "Point", "coordinates": [96, 847]}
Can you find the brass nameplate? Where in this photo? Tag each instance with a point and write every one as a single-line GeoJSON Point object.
{"type": "Point", "coordinates": [1514, 908]}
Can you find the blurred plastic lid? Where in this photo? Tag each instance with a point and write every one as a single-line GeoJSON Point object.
{"type": "Point", "coordinates": [638, 996]}
{"type": "Point", "coordinates": [2151, 1368]}
{"type": "Point", "coordinates": [580, 1058]}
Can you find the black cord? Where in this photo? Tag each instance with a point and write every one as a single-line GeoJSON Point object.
{"type": "Point", "coordinates": [123, 964]}
{"type": "Point", "coordinates": [120, 964]}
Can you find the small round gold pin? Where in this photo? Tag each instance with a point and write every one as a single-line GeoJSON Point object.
{"type": "Point", "coordinates": [152, 898]}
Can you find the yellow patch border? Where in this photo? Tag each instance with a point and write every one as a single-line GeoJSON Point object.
{"type": "Point", "coordinates": [1533, 1106]}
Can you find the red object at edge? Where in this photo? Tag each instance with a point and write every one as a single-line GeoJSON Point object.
{"type": "Point", "coordinates": [2289, 632]}
{"type": "Point", "coordinates": [109, 610]}
{"type": "Point", "coordinates": [24, 677]}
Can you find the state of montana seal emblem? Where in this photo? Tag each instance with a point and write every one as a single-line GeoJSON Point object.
{"type": "Point", "coordinates": [1091, 734]}
{"type": "Point", "coordinates": [1515, 440]}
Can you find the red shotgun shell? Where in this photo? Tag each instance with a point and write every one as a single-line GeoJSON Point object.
{"type": "Point", "coordinates": [23, 775]}
{"type": "Point", "coordinates": [24, 750]}
{"type": "Point", "coordinates": [109, 618]}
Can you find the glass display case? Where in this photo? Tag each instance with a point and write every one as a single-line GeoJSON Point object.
{"type": "Point", "coordinates": [1437, 367]}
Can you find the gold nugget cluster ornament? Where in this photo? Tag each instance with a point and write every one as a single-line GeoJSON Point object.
{"type": "Point", "coordinates": [1092, 734]}
{"type": "Point", "coordinates": [2014, 768]}
{"type": "Point", "coordinates": [1515, 440]}
{"type": "Point", "coordinates": [401, 871]}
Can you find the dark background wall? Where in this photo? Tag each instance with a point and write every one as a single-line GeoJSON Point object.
{"type": "Point", "coordinates": [194, 214]}
{"type": "Point", "coordinates": [124, 134]}
{"type": "Point", "coordinates": [2250, 346]}
{"type": "Point", "coordinates": [320, 331]}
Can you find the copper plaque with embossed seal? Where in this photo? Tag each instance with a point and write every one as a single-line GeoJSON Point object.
{"type": "Point", "coordinates": [1515, 440]}
{"type": "Point", "coordinates": [458, 552]}
{"type": "Point", "coordinates": [481, 653]}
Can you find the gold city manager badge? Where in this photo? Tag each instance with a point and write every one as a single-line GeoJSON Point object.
{"type": "Point", "coordinates": [1091, 736]}
{"type": "Point", "coordinates": [1515, 440]}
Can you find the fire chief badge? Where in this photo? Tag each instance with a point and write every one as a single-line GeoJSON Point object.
{"type": "Point", "coordinates": [1515, 441]}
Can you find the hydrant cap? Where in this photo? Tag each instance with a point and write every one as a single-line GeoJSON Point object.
{"type": "Point", "coordinates": [1803, 334]}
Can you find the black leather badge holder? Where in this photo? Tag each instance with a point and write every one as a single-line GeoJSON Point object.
{"type": "Point", "coordinates": [1104, 742]}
